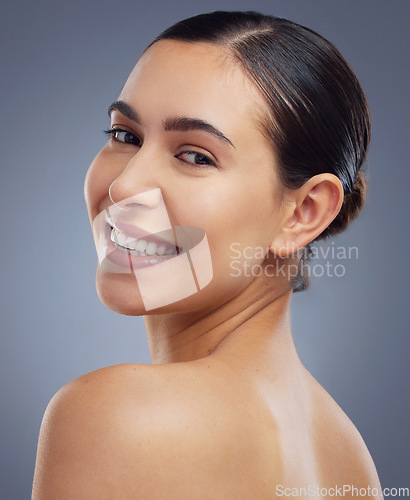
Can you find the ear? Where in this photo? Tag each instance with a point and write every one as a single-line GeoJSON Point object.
{"type": "Point", "coordinates": [308, 211]}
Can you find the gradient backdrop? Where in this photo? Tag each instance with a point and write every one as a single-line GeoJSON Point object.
{"type": "Point", "coordinates": [62, 64]}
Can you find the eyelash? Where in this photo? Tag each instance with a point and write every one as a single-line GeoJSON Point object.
{"type": "Point", "coordinates": [113, 131]}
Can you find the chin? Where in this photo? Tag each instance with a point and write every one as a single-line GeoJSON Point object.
{"type": "Point", "coordinates": [120, 293]}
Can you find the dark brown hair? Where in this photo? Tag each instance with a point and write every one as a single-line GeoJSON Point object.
{"type": "Point", "coordinates": [317, 116]}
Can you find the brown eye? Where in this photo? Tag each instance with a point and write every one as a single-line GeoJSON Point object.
{"type": "Point", "coordinates": [195, 158]}
{"type": "Point", "coordinates": [123, 136]}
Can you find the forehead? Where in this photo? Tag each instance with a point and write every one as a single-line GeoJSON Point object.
{"type": "Point", "coordinates": [200, 80]}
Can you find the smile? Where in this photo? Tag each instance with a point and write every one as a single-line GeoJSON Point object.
{"type": "Point", "coordinates": [141, 247]}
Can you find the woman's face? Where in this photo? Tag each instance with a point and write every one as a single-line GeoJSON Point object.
{"type": "Point", "coordinates": [224, 184]}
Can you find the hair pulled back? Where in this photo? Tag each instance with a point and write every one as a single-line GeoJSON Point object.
{"type": "Point", "coordinates": [316, 115]}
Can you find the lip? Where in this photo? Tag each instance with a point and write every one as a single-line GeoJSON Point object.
{"type": "Point", "coordinates": [126, 259]}
{"type": "Point", "coordinates": [139, 233]}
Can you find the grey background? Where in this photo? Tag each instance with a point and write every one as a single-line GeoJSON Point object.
{"type": "Point", "coordinates": [62, 64]}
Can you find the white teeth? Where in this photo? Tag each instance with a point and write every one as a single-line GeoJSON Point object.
{"type": "Point", "coordinates": [121, 239]}
{"type": "Point", "coordinates": [132, 244]}
{"type": "Point", "coordinates": [113, 238]}
{"type": "Point", "coordinates": [141, 246]}
{"type": "Point", "coordinates": [161, 250]}
{"type": "Point", "coordinates": [129, 243]}
{"type": "Point", "coordinates": [151, 248]}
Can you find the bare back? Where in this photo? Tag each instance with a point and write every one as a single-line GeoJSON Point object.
{"type": "Point", "coordinates": [195, 430]}
{"type": "Point", "coordinates": [296, 438]}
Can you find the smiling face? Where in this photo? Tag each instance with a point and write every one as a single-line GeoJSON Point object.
{"type": "Point", "coordinates": [185, 123]}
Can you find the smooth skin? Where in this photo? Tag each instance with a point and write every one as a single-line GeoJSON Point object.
{"type": "Point", "coordinates": [227, 410]}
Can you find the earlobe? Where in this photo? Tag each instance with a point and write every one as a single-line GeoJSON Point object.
{"type": "Point", "coordinates": [310, 210]}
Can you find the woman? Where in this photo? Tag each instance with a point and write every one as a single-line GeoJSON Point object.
{"type": "Point", "coordinates": [243, 136]}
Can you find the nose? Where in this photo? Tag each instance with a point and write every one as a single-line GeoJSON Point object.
{"type": "Point", "coordinates": [137, 198]}
{"type": "Point", "coordinates": [136, 186]}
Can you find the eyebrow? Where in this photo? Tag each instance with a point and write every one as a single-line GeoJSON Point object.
{"type": "Point", "coordinates": [181, 124]}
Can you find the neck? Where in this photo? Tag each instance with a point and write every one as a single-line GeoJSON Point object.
{"type": "Point", "coordinates": [244, 328]}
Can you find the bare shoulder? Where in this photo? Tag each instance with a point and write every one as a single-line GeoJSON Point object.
{"type": "Point", "coordinates": [142, 432]}
{"type": "Point", "coordinates": [341, 447]}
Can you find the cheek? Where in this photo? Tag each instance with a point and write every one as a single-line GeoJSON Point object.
{"type": "Point", "coordinates": [93, 186]}
{"type": "Point", "coordinates": [227, 210]}
{"type": "Point", "coordinates": [98, 179]}
{"type": "Point", "coordinates": [236, 218]}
